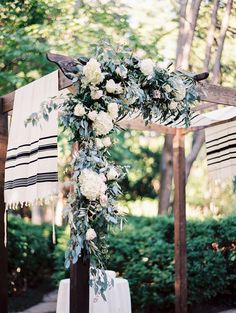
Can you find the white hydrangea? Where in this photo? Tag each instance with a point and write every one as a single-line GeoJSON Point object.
{"type": "Point", "coordinates": [113, 109]}
{"type": "Point", "coordinates": [146, 67]}
{"type": "Point", "coordinates": [103, 123]}
{"type": "Point", "coordinates": [79, 110]}
{"type": "Point", "coordinates": [92, 72]}
{"type": "Point", "coordinates": [90, 234]}
{"type": "Point", "coordinates": [107, 142]}
{"type": "Point", "coordinates": [96, 93]}
{"type": "Point", "coordinates": [179, 89]}
{"type": "Point", "coordinates": [91, 184]}
{"type": "Point", "coordinates": [112, 173]}
{"type": "Point", "coordinates": [92, 115]}
{"type": "Point", "coordinates": [112, 87]}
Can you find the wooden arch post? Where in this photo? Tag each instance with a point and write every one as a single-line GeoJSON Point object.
{"type": "Point", "coordinates": [180, 222]}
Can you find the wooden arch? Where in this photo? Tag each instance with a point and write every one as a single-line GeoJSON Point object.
{"type": "Point", "coordinates": [79, 290]}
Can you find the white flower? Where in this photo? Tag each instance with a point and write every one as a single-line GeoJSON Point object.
{"type": "Point", "coordinates": [103, 177]}
{"type": "Point", "coordinates": [179, 89]}
{"type": "Point", "coordinates": [122, 71]}
{"type": "Point", "coordinates": [173, 105]}
{"type": "Point", "coordinates": [103, 123]}
{"type": "Point", "coordinates": [112, 87]}
{"type": "Point", "coordinates": [103, 200]}
{"type": "Point", "coordinates": [167, 88]}
{"type": "Point", "coordinates": [96, 93]}
{"type": "Point", "coordinates": [106, 142]}
{"type": "Point", "coordinates": [92, 72]}
{"type": "Point", "coordinates": [79, 110]}
{"type": "Point", "coordinates": [99, 143]}
{"type": "Point", "coordinates": [92, 115]}
{"type": "Point", "coordinates": [112, 174]}
{"type": "Point", "coordinates": [113, 110]}
{"type": "Point", "coordinates": [146, 66]}
{"type": "Point", "coordinates": [90, 234]}
{"type": "Point", "coordinates": [91, 184]}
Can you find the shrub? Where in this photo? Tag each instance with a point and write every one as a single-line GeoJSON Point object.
{"type": "Point", "coordinates": [144, 254]}
{"type": "Point", "coordinates": [28, 254]}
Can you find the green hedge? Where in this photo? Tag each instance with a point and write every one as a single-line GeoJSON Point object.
{"type": "Point", "coordinates": [144, 254]}
{"type": "Point", "coordinates": [29, 254]}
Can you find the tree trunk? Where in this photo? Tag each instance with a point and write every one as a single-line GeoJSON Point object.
{"type": "Point", "coordinates": [166, 175]}
{"type": "Point", "coordinates": [188, 33]}
{"type": "Point", "coordinates": [210, 35]}
{"type": "Point", "coordinates": [185, 38]}
{"type": "Point", "coordinates": [199, 137]}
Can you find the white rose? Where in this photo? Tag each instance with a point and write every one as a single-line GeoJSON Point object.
{"type": "Point", "coordinates": [113, 110]}
{"type": "Point", "coordinates": [146, 67]}
{"type": "Point", "coordinates": [167, 88]}
{"type": "Point", "coordinates": [112, 174]}
{"type": "Point", "coordinates": [173, 105]}
{"type": "Point", "coordinates": [90, 234]}
{"type": "Point", "coordinates": [91, 184]}
{"type": "Point", "coordinates": [92, 72]}
{"type": "Point", "coordinates": [112, 87]}
{"type": "Point", "coordinates": [122, 71]}
{"type": "Point", "coordinates": [99, 143]}
{"type": "Point", "coordinates": [103, 200]}
{"type": "Point", "coordinates": [96, 93]}
{"type": "Point", "coordinates": [103, 123]}
{"type": "Point", "coordinates": [79, 110]}
{"type": "Point", "coordinates": [92, 115]}
{"type": "Point", "coordinates": [106, 142]}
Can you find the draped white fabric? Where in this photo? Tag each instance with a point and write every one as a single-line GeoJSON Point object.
{"type": "Point", "coordinates": [31, 164]}
{"type": "Point", "coordinates": [221, 150]}
{"type": "Point", "coordinates": [118, 297]}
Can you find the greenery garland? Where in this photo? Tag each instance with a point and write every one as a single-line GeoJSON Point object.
{"type": "Point", "coordinates": [109, 86]}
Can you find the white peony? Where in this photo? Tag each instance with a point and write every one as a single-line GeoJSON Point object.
{"type": "Point", "coordinates": [112, 87]}
{"type": "Point", "coordinates": [147, 67]}
{"type": "Point", "coordinates": [90, 234]}
{"type": "Point", "coordinates": [91, 184]}
{"type": "Point", "coordinates": [113, 110]}
{"type": "Point", "coordinates": [106, 142]}
{"type": "Point", "coordinates": [79, 110]}
{"type": "Point", "coordinates": [103, 177]}
{"type": "Point", "coordinates": [173, 105]}
{"type": "Point", "coordinates": [99, 143]}
{"type": "Point", "coordinates": [96, 93]}
{"type": "Point", "coordinates": [112, 174]}
{"type": "Point", "coordinates": [92, 72]}
{"type": "Point", "coordinates": [122, 71]}
{"type": "Point", "coordinates": [103, 200]}
{"type": "Point", "coordinates": [103, 123]}
{"type": "Point", "coordinates": [92, 115]}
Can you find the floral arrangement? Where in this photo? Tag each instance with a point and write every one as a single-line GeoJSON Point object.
{"type": "Point", "coordinates": [109, 86]}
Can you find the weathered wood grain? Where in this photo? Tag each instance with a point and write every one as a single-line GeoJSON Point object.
{"type": "Point", "coordinates": [180, 223]}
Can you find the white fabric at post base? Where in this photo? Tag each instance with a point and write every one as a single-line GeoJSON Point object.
{"type": "Point", "coordinates": [31, 164]}
{"type": "Point", "coordinates": [118, 298]}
